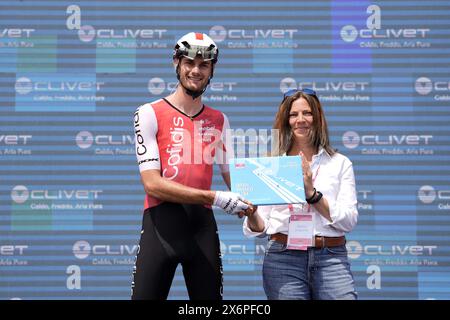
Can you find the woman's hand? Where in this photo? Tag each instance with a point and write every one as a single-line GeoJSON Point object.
{"type": "Point", "coordinates": [307, 176]}
{"type": "Point", "coordinates": [249, 211]}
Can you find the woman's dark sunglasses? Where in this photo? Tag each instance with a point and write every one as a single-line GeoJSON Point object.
{"type": "Point", "coordinates": [307, 91]}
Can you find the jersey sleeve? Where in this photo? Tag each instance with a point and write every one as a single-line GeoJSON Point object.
{"type": "Point", "coordinates": [225, 152]}
{"type": "Point", "coordinates": [145, 130]}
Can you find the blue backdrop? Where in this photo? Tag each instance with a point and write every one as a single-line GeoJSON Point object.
{"type": "Point", "coordinates": [72, 74]}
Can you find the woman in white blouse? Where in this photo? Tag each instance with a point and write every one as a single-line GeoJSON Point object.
{"type": "Point", "coordinates": [319, 269]}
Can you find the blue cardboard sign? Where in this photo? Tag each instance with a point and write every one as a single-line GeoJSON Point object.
{"type": "Point", "coordinates": [268, 180]}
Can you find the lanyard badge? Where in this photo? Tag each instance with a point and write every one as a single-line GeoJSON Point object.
{"type": "Point", "coordinates": [301, 223]}
{"type": "Point", "coordinates": [300, 231]}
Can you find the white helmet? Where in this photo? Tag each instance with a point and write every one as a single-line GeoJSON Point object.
{"type": "Point", "coordinates": [196, 44]}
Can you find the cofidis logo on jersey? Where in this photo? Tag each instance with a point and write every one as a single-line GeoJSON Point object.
{"type": "Point", "coordinates": [376, 36]}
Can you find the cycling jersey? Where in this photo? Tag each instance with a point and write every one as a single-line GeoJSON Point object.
{"type": "Point", "coordinates": [183, 148]}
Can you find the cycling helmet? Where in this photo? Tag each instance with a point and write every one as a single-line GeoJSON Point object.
{"type": "Point", "coordinates": [196, 44]}
{"type": "Point", "coordinates": [192, 45]}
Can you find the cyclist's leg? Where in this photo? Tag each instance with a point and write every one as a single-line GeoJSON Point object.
{"type": "Point", "coordinates": [154, 269]}
{"type": "Point", "coordinates": [203, 271]}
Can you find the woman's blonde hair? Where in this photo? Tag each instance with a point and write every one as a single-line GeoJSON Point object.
{"type": "Point", "coordinates": [319, 133]}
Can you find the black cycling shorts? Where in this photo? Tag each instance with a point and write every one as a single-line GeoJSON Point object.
{"type": "Point", "coordinates": [177, 233]}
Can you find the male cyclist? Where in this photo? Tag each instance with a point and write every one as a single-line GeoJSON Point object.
{"type": "Point", "coordinates": [177, 140]}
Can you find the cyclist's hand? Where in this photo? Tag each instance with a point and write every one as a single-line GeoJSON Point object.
{"type": "Point", "coordinates": [230, 202]}
{"type": "Point", "coordinates": [249, 211]}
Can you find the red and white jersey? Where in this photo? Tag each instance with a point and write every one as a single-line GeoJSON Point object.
{"type": "Point", "coordinates": [183, 148]}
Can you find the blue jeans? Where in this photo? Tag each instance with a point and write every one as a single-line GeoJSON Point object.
{"type": "Point", "coordinates": [318, 274]}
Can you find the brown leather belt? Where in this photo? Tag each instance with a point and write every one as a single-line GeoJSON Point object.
{"type": "Point", "coordinates": [319, 242]}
